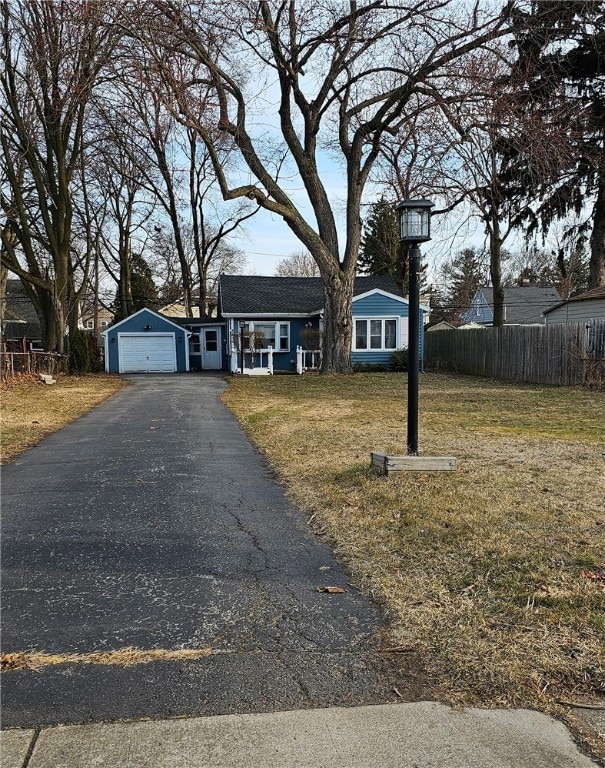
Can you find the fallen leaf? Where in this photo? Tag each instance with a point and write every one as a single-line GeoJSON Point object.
{"type": "Point", "coordinates": [331, 590]}
{"type": "Point", "coordinates": [594, 575]}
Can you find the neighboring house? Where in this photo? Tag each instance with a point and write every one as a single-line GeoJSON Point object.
{"type": "Point", "coordinates": [470, 326]}
{"type": "Point", "coordinates": [522, 306]}
{"type": "Point", "coordinates": [177, 310]}
{"type": "Point", "coordinates": [584, 308]}
{"type": "Point", "coordinates": [87, 319]}
{"type": "Point", "coordinates": [282, 308]}
{"type": "Point", "coordinates": [440, 325]}
{"type": "Point", "coordinates": [21, 330]}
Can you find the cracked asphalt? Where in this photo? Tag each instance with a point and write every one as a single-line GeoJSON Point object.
{"type": "Point", "coordinates": [153, 522]}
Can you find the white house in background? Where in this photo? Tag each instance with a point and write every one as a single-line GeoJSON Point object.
{"type": "Point", "coordinates": [584, 308]}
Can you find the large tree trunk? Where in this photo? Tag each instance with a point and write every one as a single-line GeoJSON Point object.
{"type": "Point", "coordinates": [338, 296]}
{"type": "Point", "coordinates": [597, 240]}
{"type": "Point", "coordinates": [495, 269]}
{"type": "Point", "coordinates": [52, 336]}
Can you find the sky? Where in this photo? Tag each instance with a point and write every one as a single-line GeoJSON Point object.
{"type": "Point", "coordinates": [266, 239]}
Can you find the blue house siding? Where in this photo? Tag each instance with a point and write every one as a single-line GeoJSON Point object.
{"type": "Point", "coordinates": [479, 311]}
{"type": "Point", "coordinates": [197, 329]}
{"type": "Point", "coordinates": [282, 361]}
{"type": "Point", "coordinates": [379, 305]}
{"type": "Point", "coordinates": [144, 322]}
{"type": "Point", "coordinates": [372, 358]}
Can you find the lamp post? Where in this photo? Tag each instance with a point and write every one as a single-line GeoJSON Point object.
{"type": "Point", "coordinates": [414, 228]}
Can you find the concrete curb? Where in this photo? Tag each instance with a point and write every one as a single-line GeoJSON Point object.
{"type": "Point", "coordinates": [417, 735]}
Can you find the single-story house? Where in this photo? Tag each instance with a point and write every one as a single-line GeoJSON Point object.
{"type": "Point", "coordinates": [177, 308]}
{"type": "Point", "coordinates": [285, 312]}
{"type": "Point", "coordinates": [288, 309]}
{"type": "Point", "coordinates": [439, 325]}
{"type": "Point", "coordinates": [471, 326]}
{"type": "Point", "coordinates": [583, 308]}
{"type": "Point", "coordinates": [522, 305]}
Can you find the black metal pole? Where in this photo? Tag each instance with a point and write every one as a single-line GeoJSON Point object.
{"type": "Point", "coordinates": [413, 348]}
{"type": "Point", "coordinates": [241, 349]}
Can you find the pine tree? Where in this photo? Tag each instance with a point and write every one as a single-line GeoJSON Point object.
{"type": "Point", "coordinates": [379, 253]}
{"type": "Point", "coordinates": [562, 47]}
{"type": "Point", "coordinates": [143, 289]}
{"type": "Point", "coordinates": [464, 274]}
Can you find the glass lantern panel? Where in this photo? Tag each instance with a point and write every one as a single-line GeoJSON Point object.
{"type": "Point", "coordinates": [415, 224]}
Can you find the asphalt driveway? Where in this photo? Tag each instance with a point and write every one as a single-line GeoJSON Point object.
{"type": "Point", "coordinates": [152, 522]}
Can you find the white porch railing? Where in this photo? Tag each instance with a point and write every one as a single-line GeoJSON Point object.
{"type": "Point", "coordinates": [265, 362]}
{"type": "Point", "coordinates": [307, 360]}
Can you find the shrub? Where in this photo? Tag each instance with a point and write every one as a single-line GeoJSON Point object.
{"type": "Point", "coordinates": [399, 360]}
{"type": "Point", "coordinates": [369, 368]}
{"type": "Point", "coordinates": [84, 355]}
{"type": "Point", "coordinates": [311, 338]}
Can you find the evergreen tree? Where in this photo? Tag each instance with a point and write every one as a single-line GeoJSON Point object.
{"type": "Point", "coordinates": [562, 56]}
{"type": "Point", "coordinates": [463, 275]}
{"type": "Point", "coordinates": [379, 253]}
{"type": "Point", "coordinates": [143, 289]}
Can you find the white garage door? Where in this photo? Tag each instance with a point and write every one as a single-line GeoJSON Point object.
{"type": "Point", "coordinates": [147, 353]}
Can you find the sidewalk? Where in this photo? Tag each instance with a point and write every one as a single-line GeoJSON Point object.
{"type": "Point", "coordinates": [418, 735]}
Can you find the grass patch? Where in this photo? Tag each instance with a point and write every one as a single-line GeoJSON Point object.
{"type": "Point", "coordinates": [122, 657]}
{"type": "Point", "coordinates": [483, 570]}
{"type": "Point", "coordinates": [31, 410]}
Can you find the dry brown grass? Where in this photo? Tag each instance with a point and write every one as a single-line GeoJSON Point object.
{"type": "Point", "coordinates": [31, 410]}
{"type": "Point", "coordinates": [122, 657]}
{"type": "Point", "coordinates": [495, 572]}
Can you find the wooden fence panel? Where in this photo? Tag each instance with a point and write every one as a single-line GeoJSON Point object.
{"type": "Point", "coordinates": [559, 355]}
{"type": "Point", "coordinates": [13, 363]}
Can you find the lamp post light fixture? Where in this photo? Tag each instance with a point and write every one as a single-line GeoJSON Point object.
{"type": "Point", "coordinates": [414, 228]}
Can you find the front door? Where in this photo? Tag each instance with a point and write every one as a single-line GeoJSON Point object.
{"type": "Point", "coordinates": [211, 348]}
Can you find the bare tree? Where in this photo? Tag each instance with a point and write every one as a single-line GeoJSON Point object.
{"type": "Point", "coordinates": [173, 165]}
{"type": "Point", "coordinates": [52, 54]}
{"type": "Point", "coordinates": [485, 131]}
{"type": "Point", "coordinates": [346, 76]}
{"type": "Point", "coordinates": [212, 223]}
{"type": "Point", "coordinates": [297, 264]}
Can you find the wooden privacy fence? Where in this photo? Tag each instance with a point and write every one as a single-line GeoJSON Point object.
{"type": "Point", "coordinates": [559, 355]}
{"type": "Point", "coordinates": [12, 363]}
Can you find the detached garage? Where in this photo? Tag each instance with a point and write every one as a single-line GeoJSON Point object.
{"type": "Point", "coordinates": [146, 342]}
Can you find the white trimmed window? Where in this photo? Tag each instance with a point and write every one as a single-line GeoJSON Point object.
{"type": "Point", "coordinates": [375, 334]}
{"type": "Point", "coordinates": [194, 342]}
{"type": "Point", "coordinates": [277, 335]}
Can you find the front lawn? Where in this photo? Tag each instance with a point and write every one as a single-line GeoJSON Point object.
{"type": "Point", "coordinates": [31, 410]}
{"type": "Point", "coordinates": [495, 573]}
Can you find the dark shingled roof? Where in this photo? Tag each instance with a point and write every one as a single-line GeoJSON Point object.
{"type": "Point", "coordinates": [526, 304]}
{"type": "Point", "coordinates": [20, 318]}
{"type": "Point", "coordinates": [593, 293]}
{"type": "Point", "coordinates": [252, 295]}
